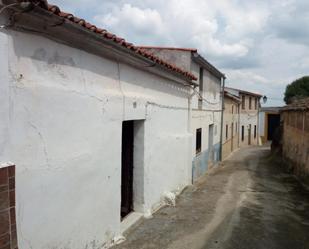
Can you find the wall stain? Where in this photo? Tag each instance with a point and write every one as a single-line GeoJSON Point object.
{"type": "Point", "coordinates": [55, 62]}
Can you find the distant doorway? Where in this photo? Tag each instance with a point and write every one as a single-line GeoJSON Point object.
{"type": "Point", "coordinates": [232, 137]}
{"type": "Point", "coordinates": [273, 122]}
{"type": "Point", "coordinates": [127, 168]}
{"type": "Point", "coordinates": [249, 134]}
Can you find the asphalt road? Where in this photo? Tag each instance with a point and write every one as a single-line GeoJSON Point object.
{"type": "Point", "coordinates": [248, 202]}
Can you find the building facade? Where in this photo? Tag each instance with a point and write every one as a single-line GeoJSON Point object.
{"type": "Point", "coordinates": [231, 119]}
{"type": "Point", "coordinates": [249, 116]}
{"type": "Point", "coordinates": [295, 137]}
{"type": "Point", "coordinates": [97, 129]}
{"type": "Point", "coordinates": [205, 105]}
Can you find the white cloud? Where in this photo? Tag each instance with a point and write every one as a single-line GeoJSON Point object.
{"type": "Point", "coordinates": [142, 21]}
{"type": "Point", "coordinates": [187, 23]}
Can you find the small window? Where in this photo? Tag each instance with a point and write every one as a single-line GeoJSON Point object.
{"type": "Point", "coordinates": [198, 148]}
{"type": "Point", "coordinates": [236, 127]}
{"type": "Point", "coordinates": [250, 103]}
{"type": "Point", "coordinates": [255, 131]}
{"type": "Point", "coordinates": [243, 102]}
{"type": "Point", "coordinates": [232, 109]}
{"type": "Point", "coordinates": [242, 133]}
{"type": "Point", "coordinates": [256, 103]}
{"type": "Point", "coordinates": [226, 132]}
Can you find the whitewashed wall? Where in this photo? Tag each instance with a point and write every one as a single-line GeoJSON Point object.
{"type": "Point", "coordinates": [62, 111]}
{"type": "Point", "coordinates": [262, 132]}
{"type": "Point", "coordinates": [209, 114]}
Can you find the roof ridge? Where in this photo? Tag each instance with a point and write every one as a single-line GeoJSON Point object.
{"type": "Point", "coordinates": [169, 48]}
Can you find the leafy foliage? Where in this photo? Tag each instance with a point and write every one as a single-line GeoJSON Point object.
{"type": "Point", "coordinates": [297, 89]}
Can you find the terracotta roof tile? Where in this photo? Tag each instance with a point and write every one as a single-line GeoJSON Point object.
{"type": "Point", "coordinates": [122, 42]}
{"type": "Point", "coordinates": [170, 48]}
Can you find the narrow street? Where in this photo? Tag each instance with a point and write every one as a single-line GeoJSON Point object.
{"type": "Point", "coordinates": [248, 202]}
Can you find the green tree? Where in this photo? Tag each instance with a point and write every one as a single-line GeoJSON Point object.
{"type": "Point", "coordinates": [297, 89]}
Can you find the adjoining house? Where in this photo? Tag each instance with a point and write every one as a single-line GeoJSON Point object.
{"type": "Point", "coordinates": [249, 116]}
{"type": "Point", "coordinates": [231, 119]}
{"type": "Point", "coordinates": [97, 128]}
{"type": "Point", "coordinates": [295, 136]}
{"type": "Point", "coordinates": [269, 119]}
{"type": "Point", "coordinates": [206, 105]}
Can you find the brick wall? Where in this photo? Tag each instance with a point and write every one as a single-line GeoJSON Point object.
{"type": "Point", "coordinates": [8, 235]}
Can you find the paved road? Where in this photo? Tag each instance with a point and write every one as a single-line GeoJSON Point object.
{"type": "Point", "coordinates": [247, 203]}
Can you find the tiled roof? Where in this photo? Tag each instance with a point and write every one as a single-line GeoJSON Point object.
{"type": "Point", "coordinates": [244, 92]}
{"type": "Point", "coordinates": [107, 35]}
{"type": "Point", "coordinates": [231, 96]}
{"type": "Point", "coordinates": [297, 105]}
{"type": "Point", "coordinates": [170, 48]}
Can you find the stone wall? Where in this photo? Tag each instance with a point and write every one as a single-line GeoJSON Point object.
{"type": "Point", "coordinates": [295, 142]}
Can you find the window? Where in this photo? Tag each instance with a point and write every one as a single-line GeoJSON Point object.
{"type": "Point", "coordinates": [236, 127]}
{"type": "Point", "coordinates": [243, 102]}
{"type": "Point", "coordinates": [201, 86]}
{"type": "Point", "coordinates": [226, 132]}
{"type": "Point", "coordinates": [232, 109]}
{"type": "Point", "coordinates": [198, 147]}
{"type": "Point", "coordinates": [242, 133]}
{"type": "Point", "coordinates": [255, 131]}
{"type": "Point", "coordinates": [250, 103]}
{"type": "Point", "coordinates": [256, 103]}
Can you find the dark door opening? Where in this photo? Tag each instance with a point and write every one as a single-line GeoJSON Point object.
{"type": "Point", "coordinates": [249, 135]}
{"type": "Point", "coordinates": [273, 124]}
{"type": "Point", "coordinates": [198, 146]}
{"type": "Point", "coordinates": [232, 137]}
{"type": "Point", "coordinates": [127, 168]}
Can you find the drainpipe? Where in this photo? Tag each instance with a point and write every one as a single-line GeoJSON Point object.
{"type": "Point", "coordinates": [192, 93]}
{"type": "Point", "coordinates": [239, 126]}
{"type": "Point", "coordinates": [258, 125]}
{"type": "Point", "coordinates": [222, 112]}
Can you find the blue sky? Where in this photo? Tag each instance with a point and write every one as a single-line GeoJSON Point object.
{"type": "Point", "coordinates": [260, 45]}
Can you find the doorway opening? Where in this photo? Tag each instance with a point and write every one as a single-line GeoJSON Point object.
{"type": "Point", "coordinates": [232, 137]}
{"type": "Point", "coordinates": [127, 168]}
{"type": "Point", "coordinates": [249, 134]}
{"type": "Point", "coordinates": [132, 167]}
{"type": "Point", "coordinates": [273, 122]}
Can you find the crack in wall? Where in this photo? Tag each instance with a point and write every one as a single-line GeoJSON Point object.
{"type": "Point", "coordinates": [43, 142]}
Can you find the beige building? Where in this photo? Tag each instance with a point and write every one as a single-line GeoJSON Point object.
{"type": "Point", "coordinates": [248, 116]}
{"type": "Point", "coordinates": [231, 118]}
{"type": "Point", "coordinates": [295, 138]}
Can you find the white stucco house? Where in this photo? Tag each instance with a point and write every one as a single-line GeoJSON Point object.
{"type": "Point", "coordinates": [206, 105]}
{"type": "Point", "coordinates": [97, 128]}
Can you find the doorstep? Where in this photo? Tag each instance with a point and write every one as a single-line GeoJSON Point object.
{"type": "Point", "coordinates": [131, 221]}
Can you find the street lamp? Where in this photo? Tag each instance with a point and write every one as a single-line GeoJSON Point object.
{"type": "Point", "coordinates": [264, 99]}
